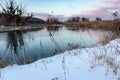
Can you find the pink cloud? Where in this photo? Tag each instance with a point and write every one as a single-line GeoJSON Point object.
{"type": "Point", "coordinates": [111, 1]}
{"type": "Point", "coordinates": [103, 12]}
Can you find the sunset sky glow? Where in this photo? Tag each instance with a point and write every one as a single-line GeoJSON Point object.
{"type": "Point", "coordinates": [89, 8]}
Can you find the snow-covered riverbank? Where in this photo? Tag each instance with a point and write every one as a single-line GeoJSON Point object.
{"type": "Point", "coordinates": [99, 63]}
{"type": "Point", "coordinates": [24, 28]}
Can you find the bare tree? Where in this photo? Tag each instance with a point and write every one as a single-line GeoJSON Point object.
{"type": "Point", "coordinates": [116, 15]}
{"type": "Point", "coordinates": [74, 19]}
{"type": "Point", "coordinates": [116, 21]}
{"type": "Point", "coordinates": [13, 13]}
{"type": "Point", "coordinates": [84, 19]}
{"type": "Point", "coordinates": [98, 19]}
{"type": "Point", "coordinates": [53, 21]}
{"type": "Point", "coordinates": [26, 18]}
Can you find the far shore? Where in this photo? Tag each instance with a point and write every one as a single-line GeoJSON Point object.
{"type": "Point", "coordinates": [26, 28]}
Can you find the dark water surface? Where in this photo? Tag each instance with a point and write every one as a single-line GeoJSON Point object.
{"type": "Point", "coordinates": [33, 45]}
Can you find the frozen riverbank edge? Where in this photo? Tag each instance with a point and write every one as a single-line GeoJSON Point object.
{"type": "Point", "coordinates": [99, 63]}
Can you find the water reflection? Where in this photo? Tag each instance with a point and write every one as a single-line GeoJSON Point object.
{"type": "Point", "coordinates": [53, 28]}
{"type": "Point", "coordinates": [15, 44]}
{"type": "Point", "coordinates": [74, 28]}
{"type": "Point", "coordinates": [15, 41]}
{"type": "Point", "coordinates": [14, 48]}
{"type": "Point", "coordinates": [26, 47]}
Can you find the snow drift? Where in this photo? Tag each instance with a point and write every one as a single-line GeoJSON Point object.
{"type": "Point", "coordinates": [99, 63]}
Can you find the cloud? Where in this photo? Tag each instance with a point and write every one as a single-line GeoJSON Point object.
{"type": "Point", "coordinates": [111, 1]}
{"type": "Point", "coordinates": [45, 16]}
{"type": "Point", "coordinates": [102, 12]}
{"type": "Point", "coordinates": [105, 11]}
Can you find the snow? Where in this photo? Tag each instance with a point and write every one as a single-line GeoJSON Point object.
{"type": "Point", "coordinates": [99, 63]}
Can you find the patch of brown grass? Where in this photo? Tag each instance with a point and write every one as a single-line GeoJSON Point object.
{"type": "Point", "coordinates": [104, 25]}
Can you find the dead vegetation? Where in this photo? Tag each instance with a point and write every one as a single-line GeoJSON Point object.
{"type": "Point", "coordinates": [107, 57]}
{"type": "Point", "coordinates": [96, 25]}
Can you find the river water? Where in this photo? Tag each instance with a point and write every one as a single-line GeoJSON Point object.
{"type": "Point", "coordinates": [33, 45]}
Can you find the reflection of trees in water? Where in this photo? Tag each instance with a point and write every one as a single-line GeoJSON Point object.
{"type": "Point", "coordinates": [16, 44]}
{"type": "Point", "coordinates": [15, 48]}
{"type": "Point", "coordinates": [53, 28]}
{"type": "Point", "coordinates": [15, 41]}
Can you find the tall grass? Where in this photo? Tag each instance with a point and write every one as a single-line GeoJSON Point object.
{"type": "Point", "coordinates": [96, 25]}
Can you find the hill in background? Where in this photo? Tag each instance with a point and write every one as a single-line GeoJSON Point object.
{"type": "Point", "coordinates": [32, 20]}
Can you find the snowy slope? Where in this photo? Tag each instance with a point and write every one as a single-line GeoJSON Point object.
{"type": "Point", "coordinates": [100, 63]}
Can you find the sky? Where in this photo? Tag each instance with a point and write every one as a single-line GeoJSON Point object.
{"type": "Point", "coordinates": [87, 8]}
{"type": "Point", "coordinates": [60, 7]}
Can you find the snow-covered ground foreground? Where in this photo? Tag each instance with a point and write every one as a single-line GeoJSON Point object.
{"type": "Point", "coordinates": [99, 63]}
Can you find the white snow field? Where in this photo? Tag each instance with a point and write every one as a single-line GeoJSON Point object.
{"type": "Point", "coordinates": [99, 63]}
